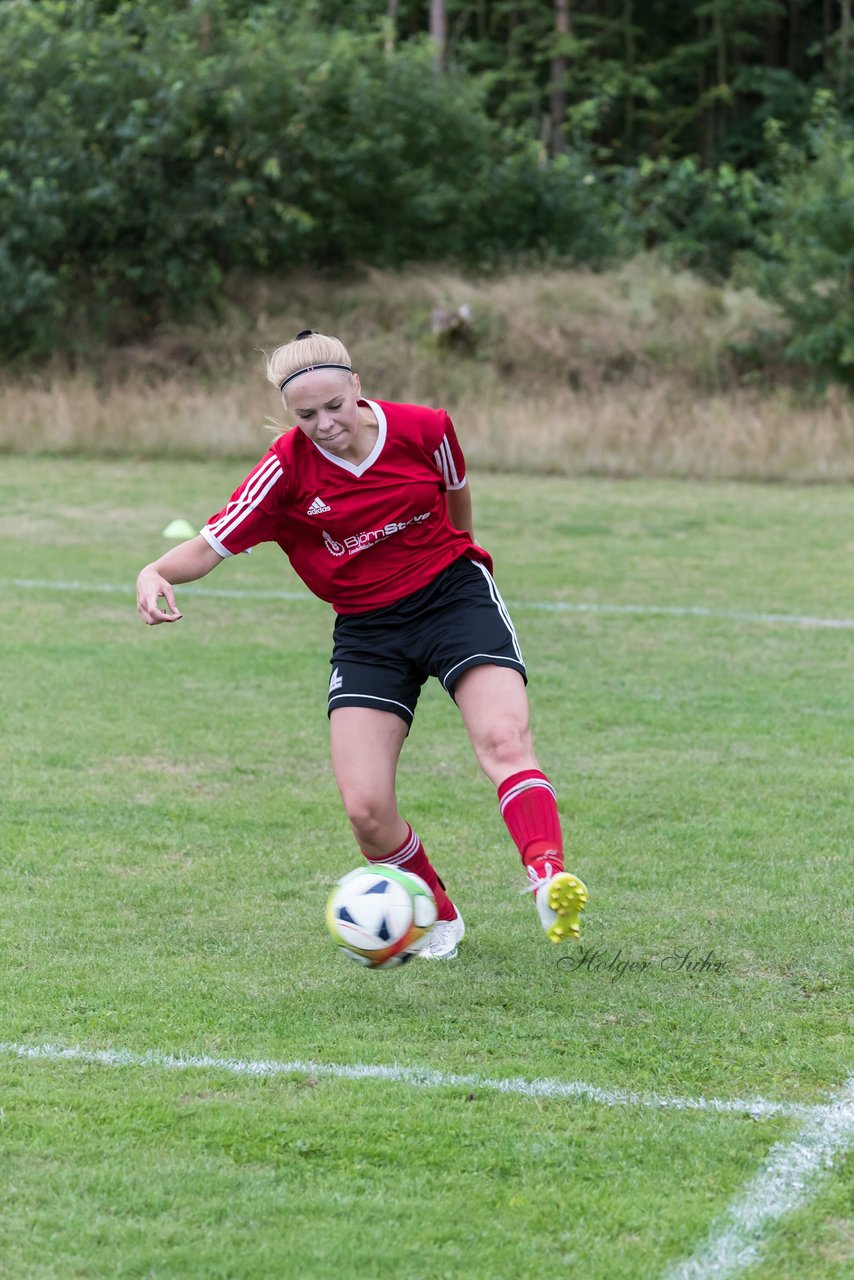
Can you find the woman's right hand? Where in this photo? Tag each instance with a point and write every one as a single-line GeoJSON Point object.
{"type": "Point", "coordinates": [151, 588]}
{"type": "Point", "coordinates": [187, 562]}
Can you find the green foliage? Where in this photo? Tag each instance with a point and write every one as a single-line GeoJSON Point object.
{"type": "Point", "coordinates": [807, 266]}
{"type": "Point", "coordinates": [701, 218]}
{"type": "Point", "coordinates": [105, 140]}
{"type": "Point", "coordinates": [561, 208]}
{"type": "Point", "coordinates": [148, 153]}
{"type": "Point", "coordinates": [149, 150]}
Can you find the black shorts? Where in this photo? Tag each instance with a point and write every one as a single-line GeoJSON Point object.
{"type": "Point", "coordinates": [382, 658]}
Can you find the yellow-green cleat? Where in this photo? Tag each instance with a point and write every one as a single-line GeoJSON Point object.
{"type": "Point", "coordinates": [560, 900]}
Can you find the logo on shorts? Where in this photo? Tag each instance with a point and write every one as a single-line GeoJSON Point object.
{"type": "Point", "coordinates": [335, 681]}
{"type": "Point", "coordinates": [332, 545]}
{"type": "Point", "coordinates": [317, 508]}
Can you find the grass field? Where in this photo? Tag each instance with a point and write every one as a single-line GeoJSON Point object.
{"type": "Point", "coordinates": [169, 831]}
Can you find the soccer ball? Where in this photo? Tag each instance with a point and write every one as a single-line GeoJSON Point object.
{"type": "Point", "coordinates": [381, 918]}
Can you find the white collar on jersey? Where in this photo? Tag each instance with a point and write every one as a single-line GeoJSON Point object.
{"type": "Point", "coordinates": [359, 468]}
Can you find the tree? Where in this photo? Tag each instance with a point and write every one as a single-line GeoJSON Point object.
{"type": "Point", "coordinates": [439, 33]}
{"type": "Point", "coordinates": [808, 254]}
{"type": "Point", "coordinates": [557, 101]}
{"type": "Point", "coordinates": [844, 45]}
{"type": "Point", "coordinates": [390, 37]}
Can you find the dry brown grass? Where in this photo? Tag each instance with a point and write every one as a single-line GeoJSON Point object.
{"type": "Point", "coordinates": [624, 373]}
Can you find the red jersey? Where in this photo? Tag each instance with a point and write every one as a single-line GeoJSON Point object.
{"type": "Point", "coordinates": [360, 535]}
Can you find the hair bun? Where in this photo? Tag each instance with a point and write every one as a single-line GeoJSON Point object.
{"type": "Point", "coordinates": [304, 333]}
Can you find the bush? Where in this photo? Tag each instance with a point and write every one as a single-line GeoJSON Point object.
{"type": "Point", "coordinates": [561, 209]}
{"type": "Point", "coordinates": [148, 150]}
{"type": "Point", "coordinates": [807, 263]}
{"type": "Point", "coordinates": [701, 219]}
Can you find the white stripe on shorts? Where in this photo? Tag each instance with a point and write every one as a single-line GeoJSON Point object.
{"type": "Point", "coordinates": [391, 701]}
{"type": "Point", "coordinates": [502, 608]}
{"type": "Point", "coordinates": [498, 659]}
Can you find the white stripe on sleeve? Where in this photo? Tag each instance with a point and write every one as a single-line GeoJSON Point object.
{"type": "Point", "coordinates": [454, 479]}
{"type": "Point", "coordinates": [444, 460]}
{"type": "Point", "coordinates": [214, 542]}
{"type": "Point", "coordinates": [256, 490]}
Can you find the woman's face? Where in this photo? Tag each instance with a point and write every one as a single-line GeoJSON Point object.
{"type": "Point", "coordinates": [325, 406]}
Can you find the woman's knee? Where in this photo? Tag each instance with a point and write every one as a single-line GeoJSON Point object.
{"type": "Point", "coordinates": [504, 742]}
{"type": "Point", "coordinates": [370, 816]}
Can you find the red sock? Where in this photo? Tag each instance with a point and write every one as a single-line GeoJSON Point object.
{"type": "Point", "coordinates": [526, 802]}
{"type": "Point", "coordinates": [411, 857]}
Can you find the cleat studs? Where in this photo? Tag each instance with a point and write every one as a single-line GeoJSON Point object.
{"type": "Point", "coordinates": [566, 898]}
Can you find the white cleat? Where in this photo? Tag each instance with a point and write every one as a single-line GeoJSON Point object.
{"type": "Point", "coordinates": [444, 939]}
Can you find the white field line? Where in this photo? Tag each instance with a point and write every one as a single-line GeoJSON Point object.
{"type": "Point", "coordinates": [543, 606]}
{"type": "Point", "coordinates": [791, 1175]}
{"type": "Point", "coordinates": [419, 1077]}
{"type": "Point", "coordinates": [114, 588]}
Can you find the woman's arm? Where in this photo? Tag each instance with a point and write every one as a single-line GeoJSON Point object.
{"type": "Point", "coordinates": [459, 509]}
{"type": "Point", "coordinates": [184, 563]}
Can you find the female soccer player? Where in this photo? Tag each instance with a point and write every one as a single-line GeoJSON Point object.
{"type": "Point", "coordinates": [370, 502]}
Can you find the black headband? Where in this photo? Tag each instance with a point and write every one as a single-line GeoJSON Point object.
{"type": "Point", "coordinates": [309, 368]}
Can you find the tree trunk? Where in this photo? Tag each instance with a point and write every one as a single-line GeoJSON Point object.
{"type": "Point", "coordinates": [721, 48]}
{"type": "Point", "coordinates": [438, 33]}
{"type": "Point", "coordinates": [390, 38]}
{"type": "Point", "coordinates": [772, 40]}
{"type": "Point", "coordinates": [793, 60]}
{"type": "Point", "coordinates": [706, 138]}
{"type": "Point", "coordinates": [557, 97]}
{"type": "Point", "coordinates": [629, 67]}
{"type": "Point", "coordinates": [844, 43]}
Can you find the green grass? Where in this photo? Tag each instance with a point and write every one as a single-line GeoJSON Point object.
{"type": "Point", "coordinates": [169, 830]}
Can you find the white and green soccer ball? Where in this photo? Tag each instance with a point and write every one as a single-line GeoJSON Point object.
{"type": "Point", "coordinates": [381, 918]}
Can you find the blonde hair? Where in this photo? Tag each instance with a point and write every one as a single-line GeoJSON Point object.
{"type": "Point", "coordinates": [307, 351]}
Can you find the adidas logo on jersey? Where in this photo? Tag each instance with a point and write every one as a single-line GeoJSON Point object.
{"type": "Point", "coordinates": [317, 508]}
